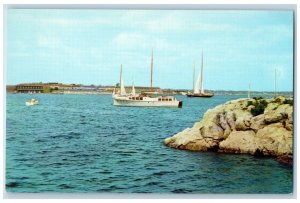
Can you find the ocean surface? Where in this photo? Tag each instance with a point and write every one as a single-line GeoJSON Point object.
{"type": "Point", "coordinates": [82, 143]}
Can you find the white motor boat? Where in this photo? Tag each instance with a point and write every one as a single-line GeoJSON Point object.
{"type": "Point", "coordinates": [143, 99]}
{"type": "Point", "coordinates": [32, 102]}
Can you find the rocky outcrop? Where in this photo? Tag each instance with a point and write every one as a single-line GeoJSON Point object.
{"type": "Point", "coordinates": [252, 126]}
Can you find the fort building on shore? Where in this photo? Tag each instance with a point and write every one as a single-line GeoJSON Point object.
{"type": "Point", "coordinates": [39, 87]}
{"type": "Point", "coordinates": [60, 88]}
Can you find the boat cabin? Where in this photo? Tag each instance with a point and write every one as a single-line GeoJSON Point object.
{"type": "Point", "coordinates": [165, 99]}
{"type": "Point", "coordinates": [135, 98]}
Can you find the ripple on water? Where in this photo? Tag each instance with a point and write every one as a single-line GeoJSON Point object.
{"type": "Point", "coordinates": [102, 148]}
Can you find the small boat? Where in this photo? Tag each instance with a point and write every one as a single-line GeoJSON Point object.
{"type": "Point", "coordinates": [183, 93]}
{"type": "Point", "coordinates": [198, 86]}
{"type": "Point", "coordinates": [144, 99]}
{"type": "Point", "coordinates": [199, 94]}
{"type": "Point", "coordinates": [32, 102]}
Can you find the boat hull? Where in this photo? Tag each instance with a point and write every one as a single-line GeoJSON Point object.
{"type": "Point", "coordinates": [31, 103]}
{"type": "Point", "coordinates": [207, 95]}
{"type": "Point", "coordinates": [154, 103]}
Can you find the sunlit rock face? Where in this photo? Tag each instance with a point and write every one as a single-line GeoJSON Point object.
{"type": "Point", "coordinates": [242, 126]}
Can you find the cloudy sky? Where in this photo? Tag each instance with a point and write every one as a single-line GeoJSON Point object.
{"type": "Point", "coordinates": [88, 46]}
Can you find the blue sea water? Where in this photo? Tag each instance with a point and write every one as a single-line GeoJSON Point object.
{"type": "Point", "coordinates": [82, 143]}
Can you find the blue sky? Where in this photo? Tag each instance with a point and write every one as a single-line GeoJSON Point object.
{"type": "Point", "coordinates": [88, 46]}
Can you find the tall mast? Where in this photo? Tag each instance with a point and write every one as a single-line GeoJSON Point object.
{"type": "Point", "coordinates": [249, 90]}
{"type": "Point", "coordinates": [151, 72]}
{"type": "Point", "coordinates": [275, 83]}
{"type": "Point", "coordinates": [194, 77]}
{"type": "Point", "coordinates": [120, 77]}
{"type": "Point", "coordinates": [201, 85]}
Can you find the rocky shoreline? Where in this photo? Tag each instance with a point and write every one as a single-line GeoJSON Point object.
{"type": "Point", "coordinates": [260, 127]}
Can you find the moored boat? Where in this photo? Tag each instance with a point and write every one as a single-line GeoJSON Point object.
{"type": "Point", "coordinates": [144, 99]}
{"type": "Point", "coordinates": [198, 87]}
{"type": "Point", "coordinates": [199, 94]}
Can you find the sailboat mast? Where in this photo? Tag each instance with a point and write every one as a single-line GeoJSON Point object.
{"type": "Point", "coordinates": [194, 77]}
{"type": "Point", "coordinates": [120, 77]}
{"type": "Point", "coordinates": [249, 90]}
{"type": "Point", "coordinates": [201, 85]}
{"type": "Point", "coordinates": [275, 83]}
{"type": "Point", "coordinates": [151, 72]}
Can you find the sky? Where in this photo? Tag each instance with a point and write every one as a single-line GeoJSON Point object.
{"type": "Point", "coordinates": [87, 46]}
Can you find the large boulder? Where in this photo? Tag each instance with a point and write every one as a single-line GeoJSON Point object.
{"type": "Point", "coordinates": [274, 140]}
{"type": "Point", "coordinates": [243, 121]}
{"type": "Point", "coordinates": [289, 122]}
{"type": "Point", "coordinates": [257, 122]}
{"type": "Point", "coordinates": [239, 142]}
{"type": "Point", "coordinates": [184, 137]}
{"type": "Point", "coordinates": [232, 128]}
{"type": "Point", "coordinates": [275, 113]}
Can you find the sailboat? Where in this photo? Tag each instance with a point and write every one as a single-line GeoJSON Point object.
{"type": "Point", "coordinates": [133, 91]}
{"type": "Point", "coordinates": [198, 88]}
{"type": "Point", "coordinates": [143, 99]}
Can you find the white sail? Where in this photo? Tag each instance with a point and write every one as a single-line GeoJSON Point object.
{"type": "Point", "coordinates": [199, 87]}
{"type": "Point", "coordinates": [202, 88]}
{"type": "Point", "coordinates": [122, 86]}
{"type": "Point", "coordinates": [133, 90]}
{"type": "Point", "coordinates": [198, 84]}
{"type": "Point", "coordinates": [123, 91]}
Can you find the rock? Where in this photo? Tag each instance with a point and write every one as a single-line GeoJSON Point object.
{"type": "Point", "coordinates": [243, 120]}
{"type": "Point", "coordinates": [274, 114]}
{"type": "Point", "coordinates": [279, 99]}
{"type": "Point", "coordinates": [289, 122]}
{"type": "Point", "coordinates": [250, 107]}
{"type": "Point", "coordinates": [239, 142]}
{"type": "Point", "coordinates": [231, 128]}
{"type": "Point", "coordinates": [285, 159]}
{"type": "Point", "coordinates": [184, 137]}
{"type": "Point", "coordinates": [224, 125]}
{"type": "Point", "coordinates": [212, 130]}
{"type": "Point", "coordinates": [257, 122]}
{"type": "Point", "coordinates": [230, 118]}
{"type": "Point", "coordinates": [274, 140]}
{"type": "Point", "coordinates": [289, 125]}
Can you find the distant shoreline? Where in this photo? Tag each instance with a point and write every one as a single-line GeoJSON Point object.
{"type": "Point", "coordinates": [59, 88]}
{"type": "Point", "coordinates": [256, 94]}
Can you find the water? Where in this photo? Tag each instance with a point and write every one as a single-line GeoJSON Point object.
{"type": "Point", "coordinates": [81, 143]}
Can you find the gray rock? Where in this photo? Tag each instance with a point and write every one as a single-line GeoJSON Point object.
{"type": "Point", "coordinates": [231, 128]}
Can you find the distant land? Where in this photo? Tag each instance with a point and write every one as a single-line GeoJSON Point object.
{"type": "Point", "coordinates": [60, 88]}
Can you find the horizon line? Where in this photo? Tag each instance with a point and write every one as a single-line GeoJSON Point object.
{"type": "Point", "coordinates": [149, 87]}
